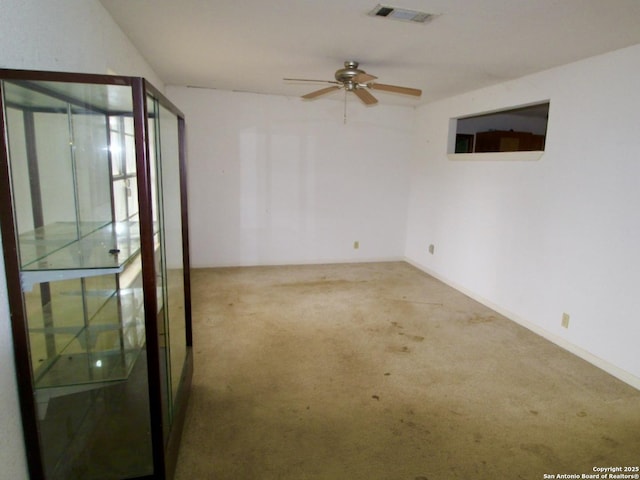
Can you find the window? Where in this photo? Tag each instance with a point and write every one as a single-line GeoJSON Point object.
{"type": "Point", "coordinates": [519, 129]}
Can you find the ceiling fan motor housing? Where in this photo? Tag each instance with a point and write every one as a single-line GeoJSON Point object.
{"type": "Point", "coordinates": [347, 74]}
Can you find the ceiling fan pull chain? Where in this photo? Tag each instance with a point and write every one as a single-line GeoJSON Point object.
{"type": "Point", "coordinates": [345, 106]}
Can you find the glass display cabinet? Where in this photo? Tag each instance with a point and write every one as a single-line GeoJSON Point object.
{"type": "Point", "coordinates": [94, 231]}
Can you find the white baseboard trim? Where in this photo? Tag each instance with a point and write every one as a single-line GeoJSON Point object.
{"type": "Point", "coordinates": [611, 369]}
{"type": "Point", "coordinates": [285, 263]}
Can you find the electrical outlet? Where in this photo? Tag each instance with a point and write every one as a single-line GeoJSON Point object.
{"type": "Point", "coordinates": [356, 245]}
{"type": "Point", "coordinates": [565, 320]}
{"type": "Point", "coordinates": [431, 249]}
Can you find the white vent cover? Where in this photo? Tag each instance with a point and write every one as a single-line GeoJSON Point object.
{"type": "Point", "coordinates": [395, 13]}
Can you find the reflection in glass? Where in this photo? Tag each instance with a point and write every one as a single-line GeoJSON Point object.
{"type": "Point", "coordinates": [90, 156]}
{"type": "Point", "coordinates": [169, 147]}
{"type": "Point", "coordinates": [156, 203]}
{"type": "Point", "coordinates": [165, 172]}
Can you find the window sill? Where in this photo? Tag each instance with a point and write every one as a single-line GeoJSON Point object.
{"type": "Point", "coordinates": [506, 156]}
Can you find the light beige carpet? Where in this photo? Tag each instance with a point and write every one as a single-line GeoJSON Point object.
{"type": "Point", "coordinates": [379, 371]}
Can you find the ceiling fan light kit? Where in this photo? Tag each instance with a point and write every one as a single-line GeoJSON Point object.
{"type": "Point", "coordinates": [353, 79]}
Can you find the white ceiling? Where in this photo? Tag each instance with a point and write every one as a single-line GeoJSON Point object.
{"type": "Point", "coordinates": [250, 45]}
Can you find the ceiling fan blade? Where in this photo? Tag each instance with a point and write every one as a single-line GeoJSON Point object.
{"type": "Point", "coordinates": [395, 89]}
{"type": "Point", "coordinates": [309, 80]}
{"type": "Point", "coordinates": [322, 91]}
{"type": "Point", "coordinates": [364, 78]}
{"type": "Point", "coordinates": [365, 96]}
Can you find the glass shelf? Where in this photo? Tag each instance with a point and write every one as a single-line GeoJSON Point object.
{"type": "Point", "coordinates": [51, 253]}
{"type": "Point", "coordinates": [74, 369]}
{"type": "Point", "coordinates": [56, 246]}
{"type": "Point", "coordinates": [101, 348]}
{"type": "Point", "coordinates": [90, 357]}
{"type": "Point", "coordinates": [93, 345]}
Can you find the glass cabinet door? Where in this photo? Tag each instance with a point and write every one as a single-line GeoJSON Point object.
{"type": "Point", "coordinates": [166, 175]}
{"type": "Point", "coordinates": [71, 162]}
{"type": "Point", "coordinates": [173, 248]}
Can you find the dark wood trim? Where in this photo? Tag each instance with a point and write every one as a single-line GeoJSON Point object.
{"type": "Point", "coordinates": [30, 78]}
{"type": "Point", "coordinates": [164, 101]}
{"type": "Point", "coordinates": [75, 110]}
{"type": "Point", "coordinates": [184, 210]}
{"type": "Point", "coordinates": [24, 374]}
{"type": "Point", "coordinates": [57, 76]}
{"type": "Point", "coordinates": [36, 87]}
{"type": "Point", "coordinates": [143, 167]}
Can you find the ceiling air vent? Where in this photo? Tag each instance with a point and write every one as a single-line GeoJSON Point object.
{"type": "Point", "coordinates": [400, 14]}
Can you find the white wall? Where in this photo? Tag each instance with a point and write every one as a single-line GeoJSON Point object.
{"type": "Point", "coordinates": [536, 239]}
{"type": "Point", "coordinates": [277, 180]}
{"type": "Point", "coordinates": [66, 35]}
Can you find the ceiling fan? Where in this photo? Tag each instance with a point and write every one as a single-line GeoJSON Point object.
{"type": "Point", "coordinates": [352, 79]}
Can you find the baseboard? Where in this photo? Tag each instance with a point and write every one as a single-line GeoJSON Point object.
{"type": "Point", "coordinates": [598, 362]}
{"type": "Point", "coordinates": [324, 261]}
